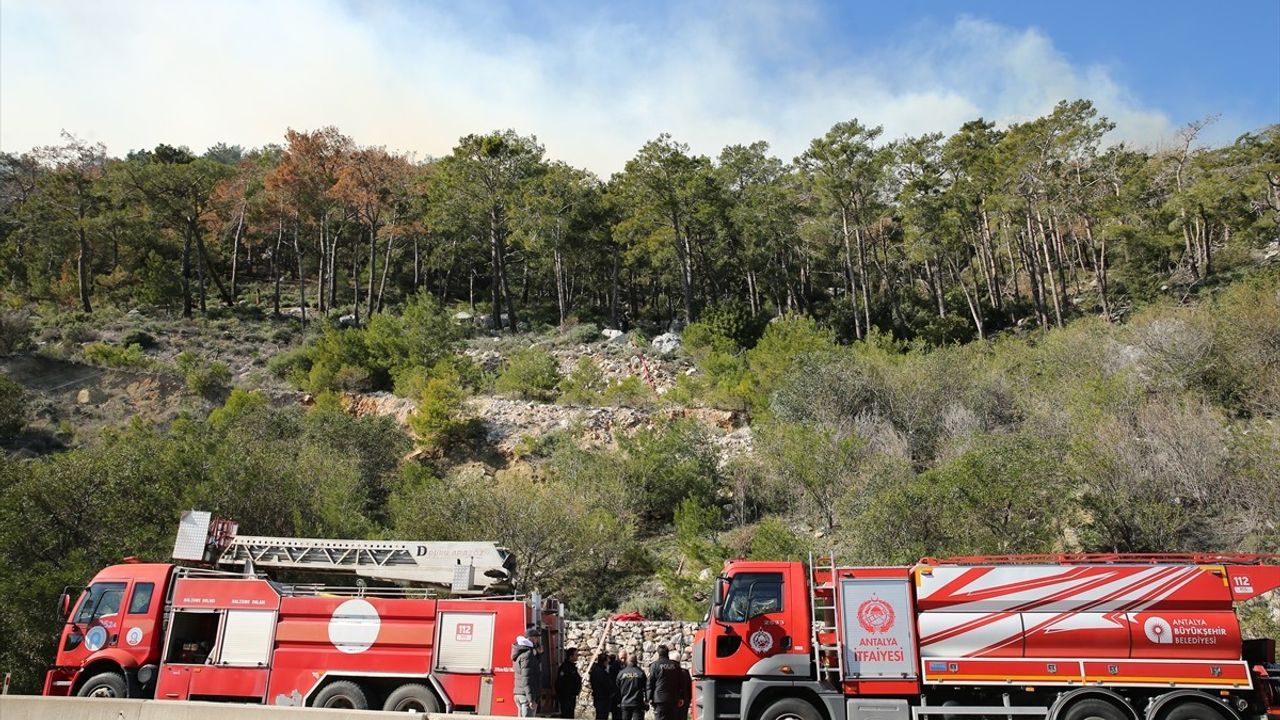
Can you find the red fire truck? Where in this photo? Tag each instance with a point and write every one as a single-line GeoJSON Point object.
{"type": "Point", "coordinates": [175, 633]}
{"type": "Point", "coordinates": [1059, 637]}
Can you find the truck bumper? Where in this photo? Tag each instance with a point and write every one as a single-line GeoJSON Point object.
{"type": "Point", "coordinates": [59, 681]}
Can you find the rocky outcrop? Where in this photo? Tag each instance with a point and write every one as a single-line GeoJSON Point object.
{"type": "Point", "coordinates": [506, 421]}
{"type": "Point", "coordinates": [378, 404]}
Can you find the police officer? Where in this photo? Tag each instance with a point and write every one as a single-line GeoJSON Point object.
{"type": "Point", "coordinates": [665, 679]}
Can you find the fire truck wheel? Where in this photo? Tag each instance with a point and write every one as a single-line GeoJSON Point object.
{"type": "Point", "coordinates": [412, 698]}
{"type": "Point", "coordinates": [1093, 709]}
{"type": "Point", "coordinates": [1195, 711]}
{"type": "Point", "coordinates": [104, 685]}
{"type": "Point", "coordinates": [791, 709]}
{"type": "Point", "coordinates": [341, 694]}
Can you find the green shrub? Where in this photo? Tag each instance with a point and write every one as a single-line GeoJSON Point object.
{"type": "Point", "coordinates": [733, 321]}
{"type": "Point", "coordinates": [284, 365]}
{"type": "Point", "coordinates": [15, 332]}
{"type": "Point", "coordinates": [203, 378]}
{"type": "Point", "coordinates": [531, 374]}
{"type": "Point", "coordinates": [116, 356]}
{"type": "Point", "coordinates": [628, 391]}
{"type": "Point", "coordinates": [13, 406]}
{"type": "Point", "coordinates": [141, 338]}
{"type": "Point", "coordinates": [583, 385]}
{"type": "Point", "coordinates": [775, 539]}
{"type": "Point", "coordinates": [371, 358]}
{"type": "Point", "coordinates": [411, 382]}
{"type": "Point", "coordinates": [582, 334]}
{"type": "Point", "coordinates": [440, 418]}
{"type": "Point", "coordinates": [78, 333]}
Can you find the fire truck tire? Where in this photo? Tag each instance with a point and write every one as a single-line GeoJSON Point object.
{"type": "Point", "coordinates": [341, 694]}
{"type": "Point", "coordinates": [1195, 711]}
{"type": "Point", "coordinates": [104, 685]}
{"type": "Point", "coordinates": [791, 709]}
{"type": "Point", "coordinates": [1093, 709]}
{"type": "Point", "coordinates": [412, 697]}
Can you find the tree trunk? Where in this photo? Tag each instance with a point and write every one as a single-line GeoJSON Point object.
{"type": "Point", "coordinates": [302, 279]}
{"type": "Point", "coordinates": [235, 255]}
{"type": "Point", "coordinates": [322, 267]}
{"type": "Point", "coordinates": [558, 267]}
{"type": "Point", "coordinates": [275, 264]}
{"type": "Point", "coordinates": [863, 277]}
{"type": "Point", "coordinates": [82, 266]}
{"type": "Point", "coordinates": [206, 263]}
{"type": "Point", "coordinates": [373, 266]}
{"type": "Point", "coordinates": [495, 286]}
{"type": "Point", "coordinates": [386, 265]}
{"type": "Point", "coordinates": [417, 264]}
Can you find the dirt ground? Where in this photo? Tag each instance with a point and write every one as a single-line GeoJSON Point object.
{"type": "Point", "coordinates": [70, 402]}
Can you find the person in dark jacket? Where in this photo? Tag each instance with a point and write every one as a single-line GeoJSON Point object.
{"type": "Point", "coordinates": [526, 663]}
{"type": "Point", "coordinates": [602, 687]}
{"type": "Point", "coordinates": [686, 689]}
{"type": "Point", "coordinates": [633, 693]}
{"type": "Point", "coordinates": [615, 667]}
{"type": "Point", "coordinates": [665, 679]}
{"type": "Point", "coordinates": [568, 683]}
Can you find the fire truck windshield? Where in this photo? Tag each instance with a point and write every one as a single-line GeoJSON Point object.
{"type": "Point", "coordinates": [750, 595]}
{"type": "Point", "coordinates": [100, 599]}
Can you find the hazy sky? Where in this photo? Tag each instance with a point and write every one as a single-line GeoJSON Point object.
{"type": "Point", "coordinates": [593, 83]}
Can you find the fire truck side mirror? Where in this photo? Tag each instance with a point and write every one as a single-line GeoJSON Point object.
{"type": "Point", "coordinates": [64, 605]}
{"type": "Point", "coordinates": [722, 586]}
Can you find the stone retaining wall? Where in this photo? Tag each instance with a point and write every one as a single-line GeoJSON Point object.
{"type": "Point", "coordinates": [633, 638]}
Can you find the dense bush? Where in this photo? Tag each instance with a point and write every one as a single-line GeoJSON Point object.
{"type": "Point", "coordinates": [116, 356]}
{"type": "Point", "coordinates": [203, 378]}
{"type": "Point", "coordinates": [440, 417]}
{"type": "Point", "coordinates": [373, 357]}
{"type": "Point", "coordinates": [532, 374]}
{"type": "Point", "coordinates": [15, 331]}
{"type": "Point", "coordinates": [13, 406]}
{"type": "Point", "coordinates": [583, 384]}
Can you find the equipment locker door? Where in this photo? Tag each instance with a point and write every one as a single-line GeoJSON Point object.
{"type": "Point", "coordinates": [877, 629]}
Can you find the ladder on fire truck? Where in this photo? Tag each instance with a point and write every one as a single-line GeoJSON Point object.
{"type": "Point", "coordinates": [828, 658]}
{"type": "Point", "coordinates": [461, 568]}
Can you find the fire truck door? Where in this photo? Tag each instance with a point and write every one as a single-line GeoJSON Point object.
{"type": "Point", "coordinates": [878, 631]}
{"type": "Point", "coordinates": [753, 622]}
{"type": "Point", "coordinates": [239, 667]}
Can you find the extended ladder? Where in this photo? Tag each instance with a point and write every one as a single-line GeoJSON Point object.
{"type": "Point", "coordinates": [464, 568]}
{"type": "Point", "coordinates": [824, 599]}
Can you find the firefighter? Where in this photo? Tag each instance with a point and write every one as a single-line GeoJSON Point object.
{"type": "Point", "coordinates": [632, 690]}
{"type": "Point", "coordinates": [602, 687]}
{"type": "Point", "coordinates": [665, 679]}
{"type": "Point", "coordinates": [568, 683]}
{"type": "Point", "coordinates": [527, 664]}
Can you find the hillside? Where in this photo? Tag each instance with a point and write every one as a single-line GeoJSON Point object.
{"type": "Point", "coordinates": [1005, 340]}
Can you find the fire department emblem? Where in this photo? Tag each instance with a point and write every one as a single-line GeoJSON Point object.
{"type": "Point", "coordinates": [875, 615]}
{"type": "Point", "coordinates": [761, 641]}
{"type": "Point", "coordinates": [1158, 630]}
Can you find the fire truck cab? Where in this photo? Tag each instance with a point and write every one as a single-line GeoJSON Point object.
{"type": "Point", "coordinates": [1063, 637]}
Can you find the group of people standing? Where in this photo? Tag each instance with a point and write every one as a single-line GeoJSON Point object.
{"type": "Point", "coordinates": [620, 689]}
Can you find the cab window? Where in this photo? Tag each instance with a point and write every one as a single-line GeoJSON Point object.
{"type": "Point", "coordinates": [99, 600]}
{"type": "Point", "coordinates": [140, 603]}
{"type": "Point", "coordinates": [751, 595]}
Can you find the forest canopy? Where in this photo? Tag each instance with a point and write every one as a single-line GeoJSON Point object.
{"type": "Point", "coordinates": [942, 238]}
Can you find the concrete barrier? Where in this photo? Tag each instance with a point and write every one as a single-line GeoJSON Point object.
{"type": "Point", "coordinates": [33, 707]}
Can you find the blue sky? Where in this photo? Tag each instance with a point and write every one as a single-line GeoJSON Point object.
{"type": "Point", "coordinates": [594, 81]}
